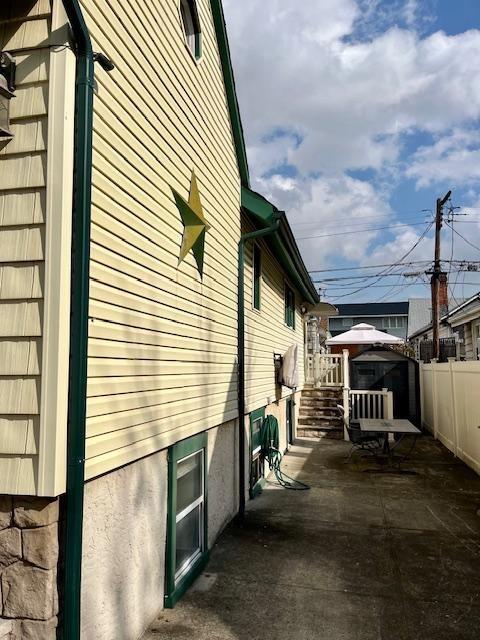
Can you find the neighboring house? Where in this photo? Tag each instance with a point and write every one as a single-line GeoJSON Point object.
{"type": "Point", "coordinates": [419, 314]}
{"type": "Point", "coordinates": [179, 361]}
{"type": "Point", "coordinates": [465, 323]}
{"type": "Point", "coordinates": [422, 341]}
{"type": "Point", "coordinates": [391, 317]}
{"type": "Point", "coordinates": [459, 333]}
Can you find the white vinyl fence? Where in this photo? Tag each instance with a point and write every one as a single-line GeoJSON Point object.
{"type": "Point", "coordinates": [450, 398]}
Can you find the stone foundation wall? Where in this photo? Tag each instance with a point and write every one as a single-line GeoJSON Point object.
{"type": "Point", "coordinates": [28, 568]}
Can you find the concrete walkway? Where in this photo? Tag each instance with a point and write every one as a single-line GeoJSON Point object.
{"type": "Point", "coordinates": [361, 556]}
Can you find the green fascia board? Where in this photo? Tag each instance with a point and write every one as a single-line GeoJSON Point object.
{"type": "Point", "coordinates": [282, 243]}
{"type": "Point", "coordinates": [231, 94]}
{"type": "Point", "coordinates": [258, 207]}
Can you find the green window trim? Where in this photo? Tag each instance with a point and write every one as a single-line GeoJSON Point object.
{"type": "Point", "coordinates": [176, 453]}
{"type": "Point", "coordinates": [256, 484]}
{"type": "Point", "coordinates": [289, 306]}
{"type": "Point", "coordinates": [191, 28]}
{"type": "Point", "coordinates": [257, 276]}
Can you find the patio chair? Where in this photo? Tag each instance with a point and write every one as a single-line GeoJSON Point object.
{"type": "Point", "coordinates": [368, 442]}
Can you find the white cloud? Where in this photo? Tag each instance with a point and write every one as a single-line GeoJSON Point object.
{"type": "Point", "coordinates": [334, 86]}
{"type": "Point", "coordinates": [350, 101]}
{"type": "Point", "coordinates": [410, 11]}
{"type": "Point", "coordinates": [326, 205]}
{"type": "Point", "coordinates": [453, 159]}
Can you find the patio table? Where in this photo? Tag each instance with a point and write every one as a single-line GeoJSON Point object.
{"type": "Point", "coordinates": [387, 426]}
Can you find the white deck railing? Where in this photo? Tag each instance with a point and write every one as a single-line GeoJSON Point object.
{"type": "Point", "coordinates": [371, 404]}
{"type": "Point", "coordinates": [325, 370]}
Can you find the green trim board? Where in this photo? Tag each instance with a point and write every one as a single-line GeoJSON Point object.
{"type": "Point", "coordinates": [174, 590]}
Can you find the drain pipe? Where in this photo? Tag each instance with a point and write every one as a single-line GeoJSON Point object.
{"type": "Point", "coordinates": [278, 215]}
{"type": "Point", "coordinates": [76, 430]}
{"type": "Point", "coordinates": [81, 216]}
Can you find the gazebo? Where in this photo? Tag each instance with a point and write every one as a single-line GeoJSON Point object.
{"type": "Point", "coordinates": [358, 337]}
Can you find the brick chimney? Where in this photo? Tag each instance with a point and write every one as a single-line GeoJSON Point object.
{"type": "Point", "coordinates": [443, 293]}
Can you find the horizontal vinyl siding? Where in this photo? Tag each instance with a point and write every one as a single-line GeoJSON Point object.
{"type": "Point", "coordinates": [162, 347]}
{"type": "Point", "coordinates": [266, 332]}
{"type": "Point", "coordinates": [23, 164]}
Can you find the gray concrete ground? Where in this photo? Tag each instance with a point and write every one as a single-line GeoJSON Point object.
{"type": "Point", "coordinates": [361, 556]}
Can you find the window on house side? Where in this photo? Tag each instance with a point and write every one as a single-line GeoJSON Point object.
{"type": "Point", "coordinates": [187, 535]}
{"type": "Point", "coordinates": [191, 27]}
{"type": "Point", "coordinates": [257, 276]}
{"type": "Point", "coordinates": [289, 307]}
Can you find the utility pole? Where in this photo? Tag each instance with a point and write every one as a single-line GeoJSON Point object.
{"type": "Point", "coordinates": [437, 270]}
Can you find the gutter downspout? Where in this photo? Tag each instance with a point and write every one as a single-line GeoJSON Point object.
{"type": "Point", "coordinates": [76, 429]}
{"type": "Point", "coordinates": [241, 350]}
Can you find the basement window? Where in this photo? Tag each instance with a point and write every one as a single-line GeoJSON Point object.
{"type": "Point", "coordinates": [191, 27]}
{"type": "Point", "coordinates": [187, 519]}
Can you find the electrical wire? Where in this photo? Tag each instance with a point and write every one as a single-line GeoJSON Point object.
{"type": "Point", "coordinates": [386, 275]}
{"type": "Point", "coordinates": [344, 233]}
{"type": "Point", "coordinates": [452, 291]}
{"type": "Point", "coordinates": [389, 264]}
{"type": "Point", "coordinates": [409, 284]}
{"type": "Point", "coordinates": [408, 214]}
{"type": "Point", "coordinates": [352, 219]}
{"type": "Point", "coordinates": [414, 246]}
{"type": "Point", "coordinates": [462, 237]}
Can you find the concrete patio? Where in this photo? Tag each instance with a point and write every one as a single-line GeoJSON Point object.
{"type": "Point", "coordinates": [361, 556]}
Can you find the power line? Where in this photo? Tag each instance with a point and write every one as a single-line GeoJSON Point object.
{"type": "Point", "coordinates": [462, 237]}
{"type": "Point", "coordinates": [405, 255]}
{"type": "Point", "coordinates": [353, 219]}
{"type": "Point", "coordinates": [385, 286]}
{"type": "Point", "coordinates": [375, 275]}
{"type": "Point", "coordinates": [370, 266]}
{"type": "Point", "coordinates": [344, 233]}
{"type": "Point", "coordinates": [385, 295]}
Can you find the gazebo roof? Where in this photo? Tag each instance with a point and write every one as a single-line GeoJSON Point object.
{"type": "Point", "coordinates": [364, 334]}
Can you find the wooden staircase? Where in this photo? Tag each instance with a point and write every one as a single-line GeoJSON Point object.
{"type": "Point", "coordinates": [318, 414]}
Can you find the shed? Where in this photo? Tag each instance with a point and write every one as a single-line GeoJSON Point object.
{"type": "Point", "coordinates": [380, 367]}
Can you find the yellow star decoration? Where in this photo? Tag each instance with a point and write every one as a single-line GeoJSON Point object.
{"type": "Point", "coordinates": [194, 223]}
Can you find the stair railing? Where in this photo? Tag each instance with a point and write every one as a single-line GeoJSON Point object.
{"type": "Point", "coordinates": [371, 404]}
{"type": "Point", "coordinates": [325, 369]}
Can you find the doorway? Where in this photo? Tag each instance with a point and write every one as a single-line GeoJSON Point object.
{"type": "Point", "coordinates": [290, 420]}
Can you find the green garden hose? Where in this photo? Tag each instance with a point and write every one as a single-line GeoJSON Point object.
{"type": "Point", "coordinates": [270, 442]}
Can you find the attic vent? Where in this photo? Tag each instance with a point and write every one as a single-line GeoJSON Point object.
{"type": "Point", "coordinates": [191, 27]}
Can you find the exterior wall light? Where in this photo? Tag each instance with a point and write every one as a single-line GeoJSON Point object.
{"type": "Point", "coordinates": [7, 87]}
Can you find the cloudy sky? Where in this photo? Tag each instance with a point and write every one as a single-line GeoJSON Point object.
{"type": "Point", "coordinates": [358, 114]}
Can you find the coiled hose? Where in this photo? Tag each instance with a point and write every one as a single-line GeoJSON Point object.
{"type": "Point", "coordinates": [270, 442]}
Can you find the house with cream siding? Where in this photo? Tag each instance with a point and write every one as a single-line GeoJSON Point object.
{"type": "Point", "coordinates": [147, 298]}
{"type": "Point", "coordinates": [465, 323]}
